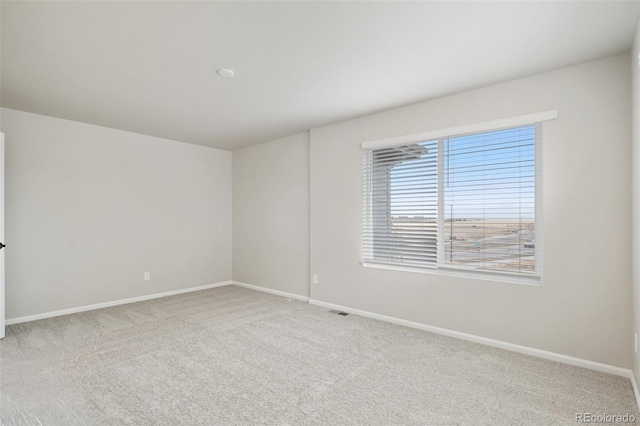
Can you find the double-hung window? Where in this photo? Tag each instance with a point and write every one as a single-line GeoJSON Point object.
{"type": "Point", "coordinates": [466, 202]}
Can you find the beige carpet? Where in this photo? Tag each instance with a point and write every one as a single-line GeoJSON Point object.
{"type": "Point", "coordinates": [232, 356]}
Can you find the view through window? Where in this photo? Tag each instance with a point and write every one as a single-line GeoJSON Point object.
{"type": "Point", "coordinates": [461, 202]}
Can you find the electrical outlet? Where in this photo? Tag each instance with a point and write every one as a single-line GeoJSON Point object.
{"type": "Point", "coordinates": [635, 342]}
{"type": "Point", "coordinates": [315, 279]}
{"type": "Point", "coordinates": [147, 276]}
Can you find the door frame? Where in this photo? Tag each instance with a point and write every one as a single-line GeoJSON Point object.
{"type": "Point", "coordinates": [2, 294]}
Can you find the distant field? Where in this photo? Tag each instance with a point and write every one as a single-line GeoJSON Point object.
{"type": "Point", "coordinates": [494, 244]}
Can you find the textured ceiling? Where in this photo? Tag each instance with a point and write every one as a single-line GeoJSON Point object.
{"type": "Point", "coordinates": [149, 67]}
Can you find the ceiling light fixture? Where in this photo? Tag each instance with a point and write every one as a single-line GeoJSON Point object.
{"type": "Point", "coordinates": [225, 72]}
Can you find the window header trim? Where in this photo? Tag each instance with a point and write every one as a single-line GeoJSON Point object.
{"type": "Point", "coordinates": [502, 123]}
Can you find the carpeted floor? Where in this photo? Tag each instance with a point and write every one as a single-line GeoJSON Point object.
{"type": "Point", "coordinates": [232, 356]}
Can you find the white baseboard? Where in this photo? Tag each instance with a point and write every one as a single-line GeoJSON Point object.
{"type": "Point", "coordinates": [635, 388]}
{"type": "Point", "coordinates": [565, 359]}
{"type": "Point", "coordinates": [112, 303]}
{"type": "Point", "coordinates": [271, 291]}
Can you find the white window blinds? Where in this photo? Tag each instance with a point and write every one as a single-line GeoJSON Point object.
{"type": "Point", "coordinates": [401, 202]}
{"type": "Point", "coordinates": [489, 188]}
{"type": "Point", "coordinates": [455, 202]}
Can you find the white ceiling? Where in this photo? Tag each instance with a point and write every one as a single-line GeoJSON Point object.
{"type": "Point", "coordinates": [150, 67]}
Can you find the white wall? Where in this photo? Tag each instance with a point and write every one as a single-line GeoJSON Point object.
{"type": "Point", "coordinates": [584, 307]}
{"type": "Point", "coordinates": [271, 214]}
{"type": "Point", "coordinates": [635, 58]}
{"type": "Point", "coordinates": [89, 209]}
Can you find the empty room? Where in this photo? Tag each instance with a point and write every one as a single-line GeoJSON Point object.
{"type": "Point", "coordinates": [319, 213]}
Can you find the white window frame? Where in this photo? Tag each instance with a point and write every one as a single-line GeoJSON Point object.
{"type": "Point", "coordinates": [522, 120]}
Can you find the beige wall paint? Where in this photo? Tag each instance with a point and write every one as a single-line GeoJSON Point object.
{"type": "Point", "coordinates": [271, 214]}
{"type": "Point", "coordinates": [584, 307]}
{"type": "Point", "coordinates": [89, 209]}
{"type": "Point", "coordinates": [635, 122]}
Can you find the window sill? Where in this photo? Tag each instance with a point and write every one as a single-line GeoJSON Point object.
{"type": "Point", "coordinates": [474, 275]}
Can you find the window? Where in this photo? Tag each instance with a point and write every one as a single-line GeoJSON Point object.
{"type": "Point", "coordinates": [459, 202]}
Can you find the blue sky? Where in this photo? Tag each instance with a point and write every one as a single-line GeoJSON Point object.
{"type": "Point", "coordinates": [485, 175]}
